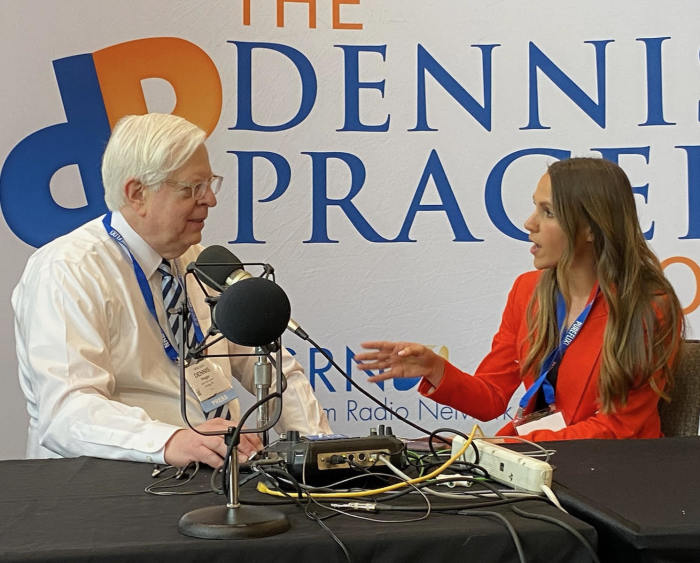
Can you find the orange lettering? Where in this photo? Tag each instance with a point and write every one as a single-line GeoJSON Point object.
{"type": "Point", "coordinates": [312, 11]}
{"type": "Point", "coordinates": [337, 24]}
{"type": "Point", "coordinates": [696, 272]}
{"type": "Point", "coordinates": [246, 12]}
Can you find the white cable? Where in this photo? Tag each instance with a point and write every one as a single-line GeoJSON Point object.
{"type": "Point", "coordinates": [549, 493]}
{"type": "Point", "coordinates": [547, 453]}
{"type": "Point", "coordinates": [401, 474]}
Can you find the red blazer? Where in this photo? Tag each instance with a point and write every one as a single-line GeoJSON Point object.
{"type": "Point", "coordinates": [486, 394]}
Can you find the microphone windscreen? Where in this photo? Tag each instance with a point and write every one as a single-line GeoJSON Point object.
{"type": "Point", "coordinates": [252, 312]}
{"type": "Point", "coordinates": [218, 255]}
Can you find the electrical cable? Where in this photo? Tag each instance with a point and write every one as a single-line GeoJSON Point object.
{"type": "Point", "coordinates": [547, 453]}
{"type": "Point", "coordinates": [549, 493]}
{"type": "Point", "coordinates": [234, 438]}
{"type": "Point", "coordinates": [332, 534]}
{"type": "Point", "coordinates": [372, 507]}
{"type": "Point", "coordinates": [455, 496]}
{"type": "Point", "coordinates": [264, 489]}
{"type": "Point", "coordinates": [366, 393]}
{"type": "Point", "coordinates": [180, 475]}
{"type": "Point", "coordinates": [508, 525]}
{"type": "Point", "coordinates": [271, 472]}
{"type": "Point", "coordinates": [564, 525]}
{"type": "Point", "coordinates": [434, 433]}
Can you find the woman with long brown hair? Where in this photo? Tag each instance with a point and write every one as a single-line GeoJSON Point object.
{"type": "Point", "coordinates": [594, 332]}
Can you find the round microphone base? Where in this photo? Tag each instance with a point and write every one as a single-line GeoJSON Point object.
{"type": "Point", "coordinates": [221, 522]}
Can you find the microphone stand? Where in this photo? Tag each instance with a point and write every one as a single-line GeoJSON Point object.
{"type": "Point", "coordinates": [262, 378]}
{"type": "Point", "coordinates": [232, 520]}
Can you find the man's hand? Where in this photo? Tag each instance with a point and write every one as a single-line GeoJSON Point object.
{"type": "Point", "coordinates": [186, 445]}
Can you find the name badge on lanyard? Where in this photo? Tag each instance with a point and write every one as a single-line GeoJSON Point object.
{"type": "Point", "coordinates": [550, 418]}
{"type": "Point", "coordinates": [146, 289]}
{"type": "Point", "coordinates": [205, 377]}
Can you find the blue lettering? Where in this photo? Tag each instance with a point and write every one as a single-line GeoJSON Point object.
{"type": "Point", "coordinates": [693, 156]}
{"type": "Point", "coordinates": [449, 205]}
{"type": "Point", "coordinates": [319, 371]}
{"type": "Point", "coordinates": [245, 189]}
{"type": "Point", "coordinates": [422, 405]}
{"type": "Point", "coordinates": [405, 383]}
{"type": "Point", "coordinates": [353, 86]}
{"type": "Point", "coordinates": [321, 201]}
{"type": "Point", "coordinates": [655, 106]}
{"type": "Point", "coordinates": [244, 109]}
{"type": "Point", "coordinates": [426, 62]}
{"type": "Point", "coordinates": [381, 412]}
{"type": "Point", "coordinates": [351, 408]}
{"type": "Point", "coordinates": [540, 61]}
{"type": "Point", "coordinates": [494, 184]}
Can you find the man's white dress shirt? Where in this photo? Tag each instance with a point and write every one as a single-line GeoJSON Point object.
{"type": "Point", "coordinates": [91, 360]}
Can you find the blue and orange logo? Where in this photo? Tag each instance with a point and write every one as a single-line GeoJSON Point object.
{"type": "Point", "coordinates": [96, 90]}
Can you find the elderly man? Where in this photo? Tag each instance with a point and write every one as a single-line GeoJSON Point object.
{"type": "Point", "coordinates": [96, 341]}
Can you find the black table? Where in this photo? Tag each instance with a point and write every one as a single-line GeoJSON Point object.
{"type": "Point", "coordinates": [87, 509]}
{"type": "Point", "coordinates": [643, 496]}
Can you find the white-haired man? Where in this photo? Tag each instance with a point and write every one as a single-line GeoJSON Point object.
{"type": "Point", "coordinates": [96, 348]}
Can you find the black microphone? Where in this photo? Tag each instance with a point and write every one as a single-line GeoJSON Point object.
{"type": "Point", "coordinates": [220, 277]}
{"type": "Point", "coordinates": [221, 267]}
{"type": "Point", "coordinates": [252, 312]}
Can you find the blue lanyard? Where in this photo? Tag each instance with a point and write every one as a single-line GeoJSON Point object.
{"type": "Point", "coordinates": [555, 356]}
{"type": "Point", "coordinates": [147, 293]}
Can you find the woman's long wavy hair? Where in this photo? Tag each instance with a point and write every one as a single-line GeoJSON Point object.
{"type": "Point", "coordinates": [645, 325]}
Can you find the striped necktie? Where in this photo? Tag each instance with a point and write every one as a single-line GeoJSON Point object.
{"type": "Point", "coordinates": [173, 298]}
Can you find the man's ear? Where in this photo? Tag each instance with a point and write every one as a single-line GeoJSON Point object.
{"type": "Point", "coordinates": [135, 196]}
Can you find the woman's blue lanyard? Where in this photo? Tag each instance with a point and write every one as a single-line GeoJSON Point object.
{"type": "Point", "coordinates": [146, 290]}
{"type": "Point", "coordinates": [557, 354]}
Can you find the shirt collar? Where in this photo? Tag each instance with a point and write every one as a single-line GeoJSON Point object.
{"type": "Point", "coordinates": [148, 259]}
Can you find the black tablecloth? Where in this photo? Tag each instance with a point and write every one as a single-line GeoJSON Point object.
{"type": "Point", "coordinates": [87, 509]}
{"type": "Point", "coordinates": [643, 496]}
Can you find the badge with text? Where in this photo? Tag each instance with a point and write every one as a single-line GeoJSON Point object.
{"type": "Point", "coordinates": [546, 419]}
{"type": "Point", "coordinates": [209, 383]}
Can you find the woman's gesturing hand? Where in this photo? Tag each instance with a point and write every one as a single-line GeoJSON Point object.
{"type": "Point", "coordinates": [401, 359]}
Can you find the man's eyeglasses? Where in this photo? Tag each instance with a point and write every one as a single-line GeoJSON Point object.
{"type": "Point", "coordinates": [198, 190]}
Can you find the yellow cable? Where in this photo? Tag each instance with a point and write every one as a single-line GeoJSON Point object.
{"type": "Point", "coordinates": [265, 489]}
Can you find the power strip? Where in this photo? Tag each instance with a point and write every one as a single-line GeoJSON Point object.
{"type": "Point", "coordinates": [507, 466]}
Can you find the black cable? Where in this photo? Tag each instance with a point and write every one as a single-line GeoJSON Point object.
{"type": "Point", "coordinates": [557, 522]}
{"type": "Point", "coordinates": [332, 487]}
{"type": "Point", "coordinates": [330, 532]}
{"type": "Point", "coordinates": [434, 434]}
{"type": "Point", "coordinates": [271, 472]}
{"type": "Point", "coordinates": [179, 477]}
{"type": "Point", "coordinates": [508, 525]}
{"type": "Point", "coordinates": [469, 466]}
{"type": "Point", "coordinates": [478, 470]}
{"type": "Point", "coordinates": [366, 393]}
{"type": "Point", "coordinates": [234, 438]}
{"type": "Point", "coordinates": [313, 515]}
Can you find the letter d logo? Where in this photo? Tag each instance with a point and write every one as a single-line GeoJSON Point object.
{"type": "Point", "coordinates": [97, 90]}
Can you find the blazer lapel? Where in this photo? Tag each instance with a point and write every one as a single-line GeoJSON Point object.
{"type": "Point", "coordinates": [581, 363]}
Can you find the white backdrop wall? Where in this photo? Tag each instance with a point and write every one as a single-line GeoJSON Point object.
{"type": "Point", "coordinates": [380, 154]}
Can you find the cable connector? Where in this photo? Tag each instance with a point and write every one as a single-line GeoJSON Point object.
{"type": "Point", "coordinates": [363, 506]}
